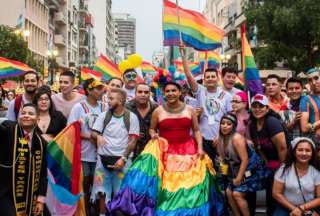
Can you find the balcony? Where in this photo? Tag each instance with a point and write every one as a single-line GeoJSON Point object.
{"type": "Point", "coordinates": [59, 40]}
{"type": "Point", "coordinates": [82, 27]}
{"type": "Point", "coordinates": [83, 46]}
{"type": "Point", "coordinates": [60, 18]}
{"type": "Point", "coordinates": [83, 9]}
{"type": "Point", "coordinates": [61, 62]}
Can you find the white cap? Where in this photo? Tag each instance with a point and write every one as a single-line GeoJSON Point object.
{"type": "Point", "coordinates": [260, 98]}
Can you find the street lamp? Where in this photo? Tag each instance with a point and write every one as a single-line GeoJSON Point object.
{"type": "Point", "coordinates": [52, 54]}
{"type": "Point", "coordinates": [225, 59]}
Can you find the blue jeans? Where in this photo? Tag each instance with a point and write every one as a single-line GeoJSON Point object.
{"type": "Point", "coordinates": [280, 211]}
{"type": "Point", "coordinates": [107, 181]}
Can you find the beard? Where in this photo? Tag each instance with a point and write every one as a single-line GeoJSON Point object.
{"type": "Point", "coordinates": [31, 91]}
{"type": "Point", "coordinates": [112, 109]}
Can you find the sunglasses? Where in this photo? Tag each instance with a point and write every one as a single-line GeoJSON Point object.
{"type": "Point", "coordinates": [130, 76]}
{"type": "Point", "coordinates": [314, 78]}
{"type": "Point", "coordinates": [257, 105]}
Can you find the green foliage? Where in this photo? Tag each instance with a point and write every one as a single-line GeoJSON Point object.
{"type": "Point", "coordinates": [291, 30]}
{"type": "Point", "coordinates": [13, 46]}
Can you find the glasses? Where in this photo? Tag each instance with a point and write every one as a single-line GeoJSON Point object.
{"type": "Point", "coordinates": [130, 76]}
{"type": "Point", "coordinates": [314, 78]}
{"type": "Point", "coordinates": [257, 105]}
{"type": "Point", "coordinates": [236, 101]}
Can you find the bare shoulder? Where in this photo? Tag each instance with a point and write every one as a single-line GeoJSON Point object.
{"type": "Point", "coordinates": [238, 139]}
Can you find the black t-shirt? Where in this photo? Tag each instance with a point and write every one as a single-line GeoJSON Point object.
{"type": "Point", "coordinates": [262, 139]}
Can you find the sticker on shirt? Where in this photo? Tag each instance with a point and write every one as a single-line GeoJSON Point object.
{"type": "Point", "coordinates": [212, 107]}
{"type": "Point", "coordinates": [90, 120]}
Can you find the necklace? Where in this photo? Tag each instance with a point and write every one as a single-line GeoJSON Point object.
{"type": "Point", "coordinates": [174, 110]}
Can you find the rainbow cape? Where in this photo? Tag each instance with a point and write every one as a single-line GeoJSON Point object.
{"type": "Point", "coordinates": [87, 73]}
{"type": "Point", "coordinates": [65, 173]}
{"type": "Point", "coordinates": [107, 68]}
{"type": "Point", "coordinates": [195, 29]}
{"type": "Point", "coordinates": [253, 83]}
{"type": "Point", "coordinates": [10, 68]}
{"type": "Point", "coordinates": [151, 188]}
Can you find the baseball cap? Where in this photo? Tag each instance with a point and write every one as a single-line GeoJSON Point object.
{"type": "Point", "coordinates": [95, 83]}
{"type": "Point", "coordinates": [260, 98]}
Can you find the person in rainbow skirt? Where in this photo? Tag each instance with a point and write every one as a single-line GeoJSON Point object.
{"type": "Point", "coordinates": [172, 176]}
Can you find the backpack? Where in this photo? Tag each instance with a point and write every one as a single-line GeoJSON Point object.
{"type": "Point", "coordinates": [17, 105]}
{"type": "Point", "coordinates": [126, 119]}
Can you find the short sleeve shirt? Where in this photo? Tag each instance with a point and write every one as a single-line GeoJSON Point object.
{"type": "Point", "coordinates": [262, 138]}
{"type": "Point", "coordinates": [308, 184]}
{"type": "Point", "coordinates": [87, 114]}
{"type": "Point", "coordinates": [116, 134]}
{"type": "Point", "coordinates": [214, 105]}
{"type": "Point", "coordinates": [311, 104]}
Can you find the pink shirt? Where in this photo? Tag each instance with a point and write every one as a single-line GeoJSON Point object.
{"type": "Point", "coordinates": [63, 105]}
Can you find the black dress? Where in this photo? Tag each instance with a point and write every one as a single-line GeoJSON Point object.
{"type": "Point", "coordinates": [57, 123]}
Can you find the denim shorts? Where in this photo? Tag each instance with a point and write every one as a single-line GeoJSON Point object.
{"type": "Point", "coordinates": [107, 181]}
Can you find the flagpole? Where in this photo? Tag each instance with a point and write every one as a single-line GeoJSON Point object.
{"type": "Point", "coordinates": [178, 15]}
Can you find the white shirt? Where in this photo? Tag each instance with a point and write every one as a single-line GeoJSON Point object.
{"type": "Point", "coordinates": [11, 115]}
{"type": "Point", "coordinates": [233, 91]}
{"type": "Point", "coordinates": [291, 190]}
{"type": "Point", "coordinates": [116, 134]}
{"type": "Point", "coordinates": [64, 105]}
{"type": "Point", "coordinates": [214, 105]}
{"type": "Point", "coordinates": [131, 93]}
{"type": "Point", "coordinates": [88, 149]}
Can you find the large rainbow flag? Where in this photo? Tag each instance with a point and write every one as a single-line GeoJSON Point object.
{"type": "Point", "coordinates": [87, 73]}
{"type": "Point", "coordinates": [195, 29]}
{"type": "Point", "coordinates": [65, 173]}
{"type": "Point", "coordinates": [253, 83]}
{"type": "Point", "coordinates": [10, 68]}
{"type": "Point", "coordinates": [107, 68]}
{"type": "Point", "coordinates": [153, 187]}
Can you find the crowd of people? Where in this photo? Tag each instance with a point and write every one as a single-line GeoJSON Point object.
{"type": "Point", "coordinates": [204, 153]}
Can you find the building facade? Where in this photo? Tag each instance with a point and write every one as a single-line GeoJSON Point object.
{"type": "Point", "coordinates": [125, 33]}
{"type": "Point", "coordinates": [30, 15]}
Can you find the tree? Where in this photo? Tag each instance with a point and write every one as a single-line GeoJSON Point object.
{"type": "Point", "coordinates": [13, 46]}
{"type": "Point", "coordinates": [290, 29]}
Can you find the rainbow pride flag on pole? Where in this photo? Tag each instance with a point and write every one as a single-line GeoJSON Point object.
{"type": "Point", "coordinates": [87, 73]}
{"type": "Point", "coordinates": [253, 83]}
{"type": "Point", "coordinates": [65, 173]}
{"type": "Point", "coordinates": [10, 68]}
{"type": "Point", "coordinates": [209, 59]}
{"type": "Point", "coordinates": [107, 68]}
{"type": "Point", "coordinates": [147, 67]}
{"type": "Point", "coordinates": [194, 67]}
{"type": "Point", "coordinates": [194, 28]}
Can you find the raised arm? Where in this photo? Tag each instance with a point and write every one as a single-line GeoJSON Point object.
{"type": "Point", "coordinates": [191, 80]}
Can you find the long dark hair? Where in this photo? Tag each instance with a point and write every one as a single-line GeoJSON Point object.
{"type": "Point", "coordinates": [291, 156]}
{"type": "Point", "coordinates": [41, 91]}
{"type": "Point", "coordinates": [231, 117]}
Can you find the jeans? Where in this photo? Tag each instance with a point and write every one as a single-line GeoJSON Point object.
{"type": "Point", "coordinates": [271, 203]}
{"type": "Point", "coordinates": [280, 211]}
{"type": "Point", "coordinates": [107, 181]}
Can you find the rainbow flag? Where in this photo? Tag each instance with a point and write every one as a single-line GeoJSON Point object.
{"type": "Point", "coordinates": [87, 73]}
{"type": "Point", "coordinates": [253, 83]}
{"type": "Point", "coordinates": [107, 68]}
{"type": "Point", "coordinates": [153, 186]}
{"type": "Point", "coordinates": [209, 59]}
{"type": "Point", "coordinates": [147, 67]}
{"type": "Point", "coordinates": [65, 173]}
{"type": "Point", "coordinates": [10, 68]}
{"type": "Point", "coordinates": [194, 67]}
{"type": "Point", "coordinates": [195, 29]}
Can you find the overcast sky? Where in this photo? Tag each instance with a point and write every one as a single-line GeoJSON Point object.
{"type": "Point", "coordinates": [148, 14]}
